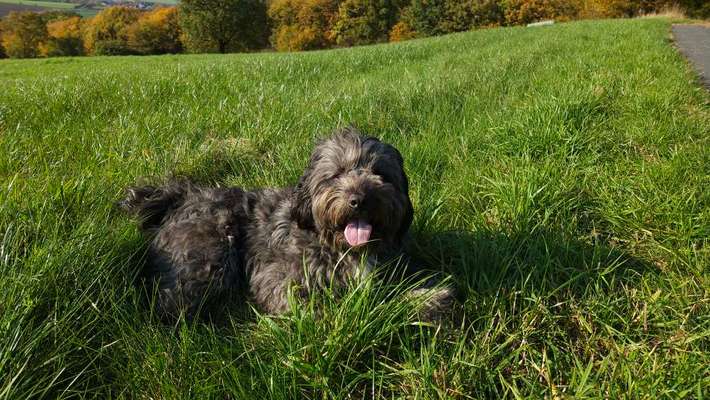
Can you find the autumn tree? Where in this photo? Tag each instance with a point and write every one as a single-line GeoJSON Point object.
{"type": "Point", "coordinates": [64, 37]}
{"type": "Point", "coordinates": [303, 24]}
{"type": "Point", "coordinates": [223, 25]}
{"type": "Point", "coordinates": [2, 49]}
{"type": "Point", "coordinates": [364, 21]}
{"type": "Point", "coordinates": [23, 33]}
{"type": "Point", "coordinates": [401, 31]}
{"type": "Point", "coordinates": [107, 32]}
{"type": "Point", "coordinates": [156, 32]}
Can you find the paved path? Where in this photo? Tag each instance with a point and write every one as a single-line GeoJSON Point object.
{"type": "Point", "coordinates": [694, 42]}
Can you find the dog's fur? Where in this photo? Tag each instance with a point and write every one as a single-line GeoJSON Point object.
{"type": "Point", "coordinates": [210, 242]}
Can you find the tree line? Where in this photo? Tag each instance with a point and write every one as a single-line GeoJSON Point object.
{"type": "Point", "coordinates": [200, 26]}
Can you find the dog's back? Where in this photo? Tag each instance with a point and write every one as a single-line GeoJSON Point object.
{"type": "Point", "coordinates": [194, 253]}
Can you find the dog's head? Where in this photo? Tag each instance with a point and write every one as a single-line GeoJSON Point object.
{"type": "Point", "coordinates": [354, 192]}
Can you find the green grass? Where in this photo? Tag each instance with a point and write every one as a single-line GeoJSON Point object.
{"type": "Point", "coordinates": [560, 174]}
{"type": "Point", "coordinates": [87, 12]}
{"type": "Point", "coordinates": [45, 4]}
{"type": "Point", "coordinates": [168, 2]}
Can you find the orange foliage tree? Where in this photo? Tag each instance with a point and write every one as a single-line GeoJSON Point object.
{"type": "Point", "coordinates": [64, 38]}
{"type": "Point", "coordinates": [303, 24]}
{"type": "Point", "coordinates": [107, 32]}
{"type": "Point", "coordinates": [156, 32]}
{"type": "Point", "coordinates": [23, 33]}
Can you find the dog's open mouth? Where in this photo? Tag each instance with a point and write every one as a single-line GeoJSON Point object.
{"type": "Point", "coordinates": [358, 232]}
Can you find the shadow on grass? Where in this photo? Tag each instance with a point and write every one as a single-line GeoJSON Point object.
{"type": "Point", "coordinates": [546, 263]}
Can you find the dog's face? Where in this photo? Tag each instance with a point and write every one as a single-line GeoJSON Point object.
{"type": "Point", "coordinates": [354, 192]}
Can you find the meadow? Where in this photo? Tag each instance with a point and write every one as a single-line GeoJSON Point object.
{"type": "Point", "coordinates": [561, 175]}
{"type": "Point", "coordinates": [7, 6]}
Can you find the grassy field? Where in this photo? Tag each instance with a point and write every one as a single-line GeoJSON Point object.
{"type": "Point", "coordinates": [44, 4]}
{"type": "Point", "coordinates": [86, 11]}
{"type": "Point", "coordinates": [560, 174]}
{"type": "Point", "coordinates": [7, 6]}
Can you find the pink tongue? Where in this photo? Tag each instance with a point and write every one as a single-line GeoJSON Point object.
{"type": "Point", "coordinates": [357, 232]}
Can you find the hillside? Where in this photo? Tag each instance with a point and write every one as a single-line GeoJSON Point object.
{"type": "Point", "coordinates": [560, 175]}
{"type": "Point", "coordinates": [85, 8]}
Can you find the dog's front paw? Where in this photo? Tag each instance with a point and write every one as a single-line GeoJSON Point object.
{"type": "Point", "coordinates": [435, 304]}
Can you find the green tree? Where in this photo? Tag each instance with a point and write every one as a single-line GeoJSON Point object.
{"type": "Point", "coordinates": [223, 25]}
{"type": "Point", "coordinates": [436, 17]}
{"type": "Point", "coordinates": [364, 21]}
{"type": "Point", "coordinates": [464, 15]}
{"type": "Point", "coordinates": [424, 17]}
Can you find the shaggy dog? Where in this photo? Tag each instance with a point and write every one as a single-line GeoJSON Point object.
{"type": "Point", "coordinates": [349, 212]}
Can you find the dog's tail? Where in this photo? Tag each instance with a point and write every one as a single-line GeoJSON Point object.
{"type": "Point", "coordinates": [152, 204]}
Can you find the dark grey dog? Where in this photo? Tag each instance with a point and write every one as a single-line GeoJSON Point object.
{"type": "Point", "coordinates": [351, 201]}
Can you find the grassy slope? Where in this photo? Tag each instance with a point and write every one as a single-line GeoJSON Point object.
{"type": "Point", "coordinates": [561, 174]}
{"type": "Point", "coordinates": [44, 4]}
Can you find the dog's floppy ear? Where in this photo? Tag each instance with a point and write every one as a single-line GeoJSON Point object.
{"type": "Point", "coordinates": [302, 211]}
{"type": "Point", "coordinates": [408, 213]}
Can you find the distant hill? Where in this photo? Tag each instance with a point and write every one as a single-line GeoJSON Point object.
{"type": "Point", "coordinates": [85, 8]}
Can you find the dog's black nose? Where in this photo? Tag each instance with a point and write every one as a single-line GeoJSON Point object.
{"type": "Point", "coordinates": [355, 200]}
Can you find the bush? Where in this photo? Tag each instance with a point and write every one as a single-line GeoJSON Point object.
{"type": "Point", "coordinates": [223, 25]}
{"type": "Point", "coordinates": [107, 32]}
{"type": "Point", "coordinates": [64, 38]}
{"type": "Point", "coordinates": [702, 11]}
{"type": "Point", "coordinates": [609, 8]}
{"type": "Point", "coordinates": [364, 21]}
{"type": "Point", "coordinates": [303, 24]}
{"type": "Point", "coordinates": [23, 33]}
{"type": "Point", "coordinates": [113, 48]}
{"type": "Point", "coordinates": [156, 32]}
{"type": "Point", "coordinates": [526, 11]}
{"type": "Point", "coordinates": [401, 31]}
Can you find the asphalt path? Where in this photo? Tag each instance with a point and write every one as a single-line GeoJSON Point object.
{"type": "Point", "coordinates": [694, 42]}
